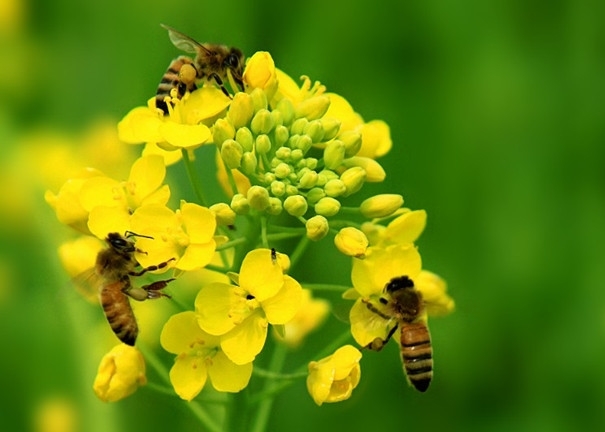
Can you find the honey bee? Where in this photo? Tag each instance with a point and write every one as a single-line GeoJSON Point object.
{"type": "Point", "coordinates": [114, 267]}
{"type": "Point", "coordinates": [212, 62]}
{"type": "Point", "coordinates": [404, 305]}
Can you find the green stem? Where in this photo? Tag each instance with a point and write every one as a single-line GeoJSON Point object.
{"type": "Point", "coordinates": [193, 178]}
{"type": "Point", "coordinates": [326, 287]}
{"type": "Point", "coordinates": [264, 410]}
{"type": "Point", "coordinates": [200, 413]}
{"type": "Point", "coordinates": [299, 251]}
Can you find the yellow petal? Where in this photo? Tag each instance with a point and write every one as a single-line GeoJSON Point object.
{"type": "Point", "coordinates": [188, 376]}
{"type": "Point", "coordinates": [433, 290]}
{"type": "Point", "coordinates": [199, 222]}
{"type": "Point", "coordinates": [140, 125]}
{"type": "Point", "coordinates": [244, 342]}
{"type": "Point", "coordinates": [181, 330]}
{"type": "Point", "coordinates": [213, 305]}
{"type": "Point", "coordinates": [259, 276]}
{"type": "Point", "coordinates": [103, 220]}
{"type": "Point", "coordinates": [406, 228]}
{"type": "Point", "coordinates": [146, 175]}
{"type": "Point", "coordinates": [283, 306]}
{"type": "Point", "coordinates": [197, 256]}
{"type": "Point", "coordinates": [226, 376]}
{"type": "Point", "coordinates": [367, 325]}
{"type": "Point", "coordinates": [375, 139]}
{"type": "Point", "coordinates": [185, 135]}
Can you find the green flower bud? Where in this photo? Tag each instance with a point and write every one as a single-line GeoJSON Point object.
{"type": "Point", "coordinates": [224, 214]}
{"type": "Point", "coordinates": [313, 108]}
{"type": "Point", "coordinates": [331, 127]}
{"type": "Point", "coordinates": [259, 99]}
{"type": "Point", "coordinates": [352, 242]}
{"type": "Point", "coordinates": [221, 131]}
{"type": "Point", "coordinates": [258, 197]}
{"type": "Point", "coordinates": [353, 179]}
{"type": "Point", "coordinates": [298, 126]}
{"type": "Point", "coordinates": [327, 207]}
{"type": "Point", "coordinates": [334, 154]}
{"type": "Point", "coordinates": [304, 143]}
{"type": "Point", "coordinates": [282, 170]}
{"type": "Point", "coordinates": [262, 122]}
{"type": "Point", "coordinates": [275, 206]}
{"type": "Point", "coordinates": [231, 152]}
{"type": "Point", "coordinates": [308, 179]}
{"type": "Point", "coordinates": [269, 178]}
{"type": "Point", "coordinates": [382, 205]}
{"type": "Point", "coordinates": [286, 108]}
{"type": "Point", "coordinates": [281, 135]}
{"type": "Point", "coordinates": [352, 142]}
{"type": "Point", "coordinates": [293, 141]}
{"type": "Point", "coordinates": [278, 188]}
{"type": "Point", "coordinates": [291, 190]}
{"type": "Point", "coordinates": [314, 195]}
{"type": "Point", "coordinates": [296, 205]}
{"type": "Point", "coordinates": [315, 130]}
{"type": "Point", "coordinates": [335, 188]}
{"type": "Point", "coordinates": [283, 153]}
{"type": "Point", "coordinates": [296, 155]}
{"type": "Point", "coordinates": [249, 163]}
{"type": "Point", "coordinates": [374, 171]}
{"type": "Point", "coordinates": [241, 110]}
{"type": "Point", "coordinates": [263, 144]}
{"type": "Point", "coordinates": [240, 204]}
{"type": "Point", "coordinates": [245, 138]}
{"type": "Point", "coordinates": [278, 118]}
{"type": "Point", "coordinates": [317, 228]}
{"type": "Point", "coordinates": [311, 163]}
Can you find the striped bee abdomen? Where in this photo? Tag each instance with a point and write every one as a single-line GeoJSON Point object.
{"type": "Point", "coordinates": [417, 355]}
{"type": "Point", "coordinates": [119, 313]}
{"type": "Point", "coordinates": [173, 79]}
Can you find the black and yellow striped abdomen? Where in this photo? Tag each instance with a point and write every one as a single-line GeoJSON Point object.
{"type": "Point", "coordinates": [417, 354]}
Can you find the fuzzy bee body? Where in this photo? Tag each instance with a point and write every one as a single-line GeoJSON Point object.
{"type": "Point", "coordinates": [212, 62]}
{"type": "Point", "coordinates": [115, 266]}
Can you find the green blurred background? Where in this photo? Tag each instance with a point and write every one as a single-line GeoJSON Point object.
{"type": "Point", "coordinates": [498, 122]}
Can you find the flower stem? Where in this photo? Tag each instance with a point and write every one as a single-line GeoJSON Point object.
{"type": "Point", "coordinates": [199, 412]}
{"type": "Point", "coordinates": [299, 251]}
{"type": "Point", "coordinates": [263, 412]}
{"type": "Point", "coordinates": [193, 178]}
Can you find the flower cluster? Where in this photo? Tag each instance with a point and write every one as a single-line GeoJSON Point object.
{"type": "Point", "coordinates": [286, 157]}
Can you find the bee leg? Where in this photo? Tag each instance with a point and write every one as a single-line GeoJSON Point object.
{"type": "Point", "coordinates": [374, 309]}
{"type": "Point", "coordinates": [219, 81]}
{"type": "Point", "coordinates": [152, 268]}
{"type": "Point", "coordinates": [378, 344]}
{"type": "Point", "coordinates": [154, 289]}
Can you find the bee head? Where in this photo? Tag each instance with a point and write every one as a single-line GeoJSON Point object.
{"type": "Point", "coordinates": [120, 243]}
{"type": "Point", "coordinates": [399, 283]}
{"type": "Point", "coordinates": [235, 63]}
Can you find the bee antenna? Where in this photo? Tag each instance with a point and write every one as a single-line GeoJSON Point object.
{"type": "Point", "coordinates": [133, 234]}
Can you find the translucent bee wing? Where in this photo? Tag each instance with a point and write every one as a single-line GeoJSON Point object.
{"type": "Point", "coordinates": [87, 284]}
{"type": "Point", "coordinates": [182, 41]}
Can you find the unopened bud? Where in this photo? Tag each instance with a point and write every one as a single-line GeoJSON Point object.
{"type": "Point", "coordinates": [221, 131]}
{"type": "Point", "coordinates": [353, 179]}
{"type": "Point", "coordinates": [249, 163]}
{"type": "Point", "coordinates": [374, 171]}
{"type": "Point", "coordinates": [382, 205]}
{"type": "Point", "coordinates": [352, 242]}
{"type": "Point", "coordinates": [313, 108]}
{"type": "Point", "coordinates": [224, 214]}
{"type": "Point", "coordinates": [308, 180]}
{"type": "Point", "coordinates": [258, 197]}
{"type": "Point", "coordinates": [282, 170]}
{"type": "Point", "coordinates": [314, 195]}
{"type": "Point", "coordinates": [231, 152]}
{"type": "Point", "coordinates": [263, 144]}
{"type": "Point", "coordinates": [352, 142]}
{"type": "Point", "coordinates": [317, 227]}
{"type": "Point", "coordinates": [281, 135]}
{"type": "Point", "coordinates": [240, 204]}
{"type": "Point", "coordinates": [287, 110]}
{"type": "Point", "coordinates": [315, 130]}
{"type": "Point", "coordinates": [278, 188]}
{"type": "Point", "coordinates": [327, 206]}
{"type": "Point", "coordinates": [241, 110]}
{"type": "Point", "coordinates": [331, 127]}
{"type": "Point", "coordinates": [335, 188]}
{"type": "Point", "coordinates": [298, 126]}
{"type": "Point", "coordinates": [259, 99]}
{"type": "Point", "coordinates": [262, 122]}
{"type": "Point", "coordinates": [275, 206]}
{"type": "Point", "coordinates": [334, 154]}
{"type": "Point", "coordinates": [296, 205]}
{"type": "Point", "coordinates": [245, 138]}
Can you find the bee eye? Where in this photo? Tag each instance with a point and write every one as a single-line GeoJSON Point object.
{"type": "Point", "coordinates": [118, 243]}
{"type": "Point", "coordinates": [232, 61]}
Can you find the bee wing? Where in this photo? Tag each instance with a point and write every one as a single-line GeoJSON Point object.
{"type": "Point", "coordinates": [87, 284]}
{"type": "Point", "coordinates": [182, 41]}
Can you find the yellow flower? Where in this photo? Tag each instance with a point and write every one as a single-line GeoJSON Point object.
{"type": "Point", "coordinates": [183, 127]}
{"type": "Point", "coordinates": [121, 372]}
{"type": "Point", "coordinates": [405, 228]}
{"type": "Point", "coordinates": [186, 235]}
{"type": "Point", "coordinates": [311, 315]}
{"type": "Point", "coordinates": [241, 314]}
{"type": "Point", "coordinates": [334, 378]}
{"type": "Point", "coordinates": [199, 356]}
{"type": "Point", "coordinates": [370, 276]}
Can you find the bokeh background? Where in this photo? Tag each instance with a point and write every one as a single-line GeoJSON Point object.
{"type": "Point", "coordinates": [497, 116]}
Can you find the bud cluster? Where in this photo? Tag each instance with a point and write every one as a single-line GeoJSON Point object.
{"type": "Point", "coordinates": [296, 158]}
